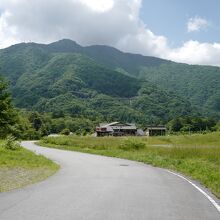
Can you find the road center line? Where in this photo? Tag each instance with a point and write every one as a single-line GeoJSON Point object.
{"type": "Point", "coordinates": [199, 189]}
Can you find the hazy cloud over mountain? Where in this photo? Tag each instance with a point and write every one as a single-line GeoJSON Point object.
{"type": "Point", "coordinates": [111, 22]}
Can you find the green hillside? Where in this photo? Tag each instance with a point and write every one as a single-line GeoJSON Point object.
{"type": "Point", "coordinates": [65, 78]}
{"type": "Point", "coordinates": [198, 84]}
{"type": "Point", "coordinates": [100, 82]}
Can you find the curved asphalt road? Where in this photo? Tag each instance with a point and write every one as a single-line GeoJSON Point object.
{"type": "Point", "coordinates": [90, 187]}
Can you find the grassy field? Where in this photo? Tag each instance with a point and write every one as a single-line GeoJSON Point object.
{"type": "Point", "coordinates": [21, 167]}
{"type": "Point", "coordinates": [197, 156]}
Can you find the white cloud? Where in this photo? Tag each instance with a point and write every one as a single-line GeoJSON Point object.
{"type": "Point", "coordinates": [194, 52]}
{"type": "Point", "coordinates": [87, 22]}
{"type": "Point", "coordinates": [197, 24]}
{"type": "Point", "coordinates": [111, 22]}
{"type": "Point", "coordinates": [144, 41]}
{"type": "Point", "coordinates": [99, 5]}
{"type": "Point", "coordinates": [6, 37]}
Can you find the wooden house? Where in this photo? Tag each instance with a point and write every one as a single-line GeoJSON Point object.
{"type": "Point", "coordinates": [116, 129]}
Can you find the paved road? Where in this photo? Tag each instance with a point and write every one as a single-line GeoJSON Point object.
{"type": "Point", "coordinates": [90, 187]}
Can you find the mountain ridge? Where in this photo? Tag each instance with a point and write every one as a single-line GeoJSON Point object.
{"type": "Point", "coordinates": [65, 74]}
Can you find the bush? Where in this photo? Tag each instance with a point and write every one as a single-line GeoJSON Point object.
{"type": "Point", "coordinates": [78, 132]}
{"type": "Point", "coordinates": [132, 145]}
{"type": "Point", "coordinates": [65, 131]}
{"type": "Point", "coordinates": [11, 143]}
{"type": "Point", "coordinates": [84, 132]}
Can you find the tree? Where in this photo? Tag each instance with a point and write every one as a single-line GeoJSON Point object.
{"type": "Point", "coordinates": [8, 114]}
{"type": "Point", "coordinates": [36, 120]}
{"type": "Point", "coordinates": [65, 131]}
{"type": "Point", "coordinates": [175, 125]}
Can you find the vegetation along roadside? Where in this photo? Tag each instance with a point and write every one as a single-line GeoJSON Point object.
{"type": "Point", "coordinates": [20, 167]}
{"type": "Point", "coordinates": [197, 156]}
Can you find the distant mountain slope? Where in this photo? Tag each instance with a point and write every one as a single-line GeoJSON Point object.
{"type": "Point", "coordinates": [108, 56]}
{"type": "Point", "coordinates": [100, 82]}
{"type": "Point", "coordinates": [72, 73]}
{"type": "Point", "coordinates": [199, 84]}
{"type": "Point", "coordinates": [126, 62]}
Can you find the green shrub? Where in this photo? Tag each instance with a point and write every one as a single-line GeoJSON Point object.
{"type": "Point", "coordinates": [11, 143]}
{"type": "Point", "coordinates": [84, 132]}
{"type": "Point", "coordinates": [132, 144]}
{"type": "Point", "coordinates": [65, 131]}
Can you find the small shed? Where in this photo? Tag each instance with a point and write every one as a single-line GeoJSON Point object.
{"type": "Point", "coordinates": [155, 130]}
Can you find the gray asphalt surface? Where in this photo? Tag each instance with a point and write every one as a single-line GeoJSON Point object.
{"type": "Point", "coordinates": [90, 187]}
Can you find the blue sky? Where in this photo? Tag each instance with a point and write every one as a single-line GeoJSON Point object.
{"type": "Point", "coordinates": [169, 18]}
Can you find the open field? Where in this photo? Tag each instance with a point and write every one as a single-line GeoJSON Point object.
{"type": "Point", "coordinates": [197, 156]}
{"type": "Point", "coordinates": [21, 167]}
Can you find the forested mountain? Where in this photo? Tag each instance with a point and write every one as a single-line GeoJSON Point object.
{"type": "Point", "coordinates": [198, 84]}
{"type": "Point", "coordinates": [102, 83]}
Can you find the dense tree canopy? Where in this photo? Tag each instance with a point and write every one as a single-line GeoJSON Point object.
{"type": "Point", "coordinates": [7, 111]}
{"type": "Point", "coordinates": [191, 124]}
